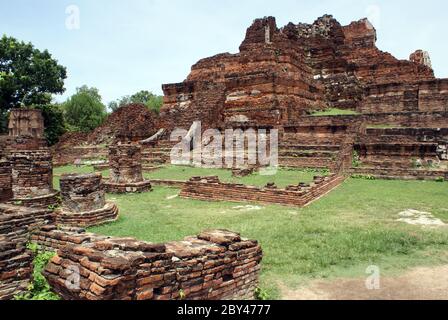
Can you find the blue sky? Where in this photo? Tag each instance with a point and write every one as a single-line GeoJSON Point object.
{"type": "Point", "coordinates": [125, 46]}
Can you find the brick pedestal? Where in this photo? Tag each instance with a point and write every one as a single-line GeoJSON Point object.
{"type": "Point", "coordinates": [84, 203]}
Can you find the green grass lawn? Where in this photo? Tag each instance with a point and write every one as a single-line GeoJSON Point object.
{"type": "Point", "coordinates": [351, 228]}
{"type": "Point", "coordinates": [333, 112]}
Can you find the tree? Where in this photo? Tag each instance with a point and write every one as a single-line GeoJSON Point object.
{"type": "Point", "coordinates": [28, 76]}
{"type": "Point", "coordinates": [84, 111]}
{"type": "Point", "coordinates": [152, 101]}
{"type": "Point", "coordinates": [54, 122]}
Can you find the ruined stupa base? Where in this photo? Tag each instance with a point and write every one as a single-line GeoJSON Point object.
{"type": "Point", "coordinates": [87, 219]}
{"type": "Point", "coordinates": [49, 201]}
{"type": "Point", "coordinates": [137, 187]}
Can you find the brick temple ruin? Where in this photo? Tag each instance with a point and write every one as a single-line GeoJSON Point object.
{"type": "Point", "coordinates": [279, 79]}
{"type": "Point", "coordinates": [216, 264]}
{"type": "Point", "coordinates": [282, 75]}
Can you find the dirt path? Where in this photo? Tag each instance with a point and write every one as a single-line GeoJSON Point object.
{"type": "Point", "coordinates": [417, 284]}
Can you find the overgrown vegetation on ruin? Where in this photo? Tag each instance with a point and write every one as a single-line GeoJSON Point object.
{"type": "Point", "coordinates": [334, 112]}
{"type": "Point", "coordinates": [353, 227]}
{"type": "Point", "coordinates": [39, 289]}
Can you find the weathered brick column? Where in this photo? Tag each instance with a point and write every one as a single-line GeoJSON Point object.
{"type": "Point", "coordinates": [126, 170]}
{"type": "Point", "coordinates": [84, 202]}
{"type": "Point", "coordinates": [32, 178]}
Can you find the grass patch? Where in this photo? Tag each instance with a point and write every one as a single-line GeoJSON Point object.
{"type": "Point", "coordinates": [282, 178]}
{"type": "Point", "coordinates": [334, 112]}
{"type": "Point", "coordinates": [340, 235]}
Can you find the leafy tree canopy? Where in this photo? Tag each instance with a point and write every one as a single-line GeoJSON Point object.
{"type": "Point", "coordinates": [84, 111]}
{"type": "Point", "coordinates": [28, 76]}
{"type": "Point", "coordinates": [152, 101]}
{"type": "Point", "coordinates": [54, 122]}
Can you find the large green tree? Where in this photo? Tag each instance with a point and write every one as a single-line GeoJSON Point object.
{"type": "Point", "coordinates": [84, 111]}
{"type": "Point", "coordinates": [28, 77]}
{"type": "Point", "coordinates": [54, 122]}
{"type": "Point", "coordinates": [152, 101]}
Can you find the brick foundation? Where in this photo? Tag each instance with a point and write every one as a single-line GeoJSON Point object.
{"type": "Point", "coordinates": [84, 201]}
{"type": "Point", "coordinates": [211, 189]}
{"type": "Point", "coordinates": [215, 265]}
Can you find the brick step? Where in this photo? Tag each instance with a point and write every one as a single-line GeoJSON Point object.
{"type": "Point", "coordinates": [309, 147]}
{"type": "Point", "coordinates": [155, 161]}
{"type": "Point", "coordinates": [320, 163]}
{"type": "Point", "coordinates": [307, 154]}
{"type": "Point", "coordinates": [401, 144]}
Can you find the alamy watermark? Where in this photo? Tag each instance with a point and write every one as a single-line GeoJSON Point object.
{"type": "Point", "coordinates": [373, 281]}
{"type": "Point", "coordinates": [231, 148]}
{"type": "Point", "coordinates": [73, 19]}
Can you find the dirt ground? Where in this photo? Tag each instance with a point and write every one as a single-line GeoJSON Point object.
{"type": "Point", "coordinates": [417, 284]}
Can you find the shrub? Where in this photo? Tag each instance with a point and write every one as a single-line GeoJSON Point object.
{"type": "Point", "coordinates": [39, 289]}
{"type": "Point", "coordinates": [261, 294]}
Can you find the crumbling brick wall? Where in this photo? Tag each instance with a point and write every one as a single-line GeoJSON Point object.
{"type": "Point", "coordinates": [214, 265]}
{"type": "Point", "coordinates": [16, 225]}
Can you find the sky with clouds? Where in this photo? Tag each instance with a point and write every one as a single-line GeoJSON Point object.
{"type": "Point", "coordinates": [123, 46]}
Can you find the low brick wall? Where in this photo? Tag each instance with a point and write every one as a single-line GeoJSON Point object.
{"type": "Point", "coordinates": [118, 188]}
{"type": "Point", "coordinates": [216, 264]}
{"type": "Point", "coordinates": [168, 183]}
{"type": "Point", "coordinates": [16, 224]}
{"type": "Point", "coordinates": [211, 189]}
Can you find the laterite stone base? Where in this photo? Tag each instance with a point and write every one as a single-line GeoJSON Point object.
{"type": "Point", "coordinates": [88, 219]}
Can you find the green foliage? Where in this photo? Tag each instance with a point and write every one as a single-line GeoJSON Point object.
{"type": "Point", "coordinates": [28, 76]}
{"type": "Point", "coordinates": [182, 294]}
{"type": "Point", "coordinates": [84, 111]}
{"type": "Point", "coordinates": [356, 160]}
{"type": "Point", "coordinates": [54, 122]}
{"type": "Point", "coordinates": [3, 121]}
{"type": "Point", "coordinates": [334, 112]}
{"type": "Point", "coordinates": [152, 101]}
{"type": "Point", "coordinates": [261, 294]}
{"type": "Point", "coordinates": [39, 289]}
